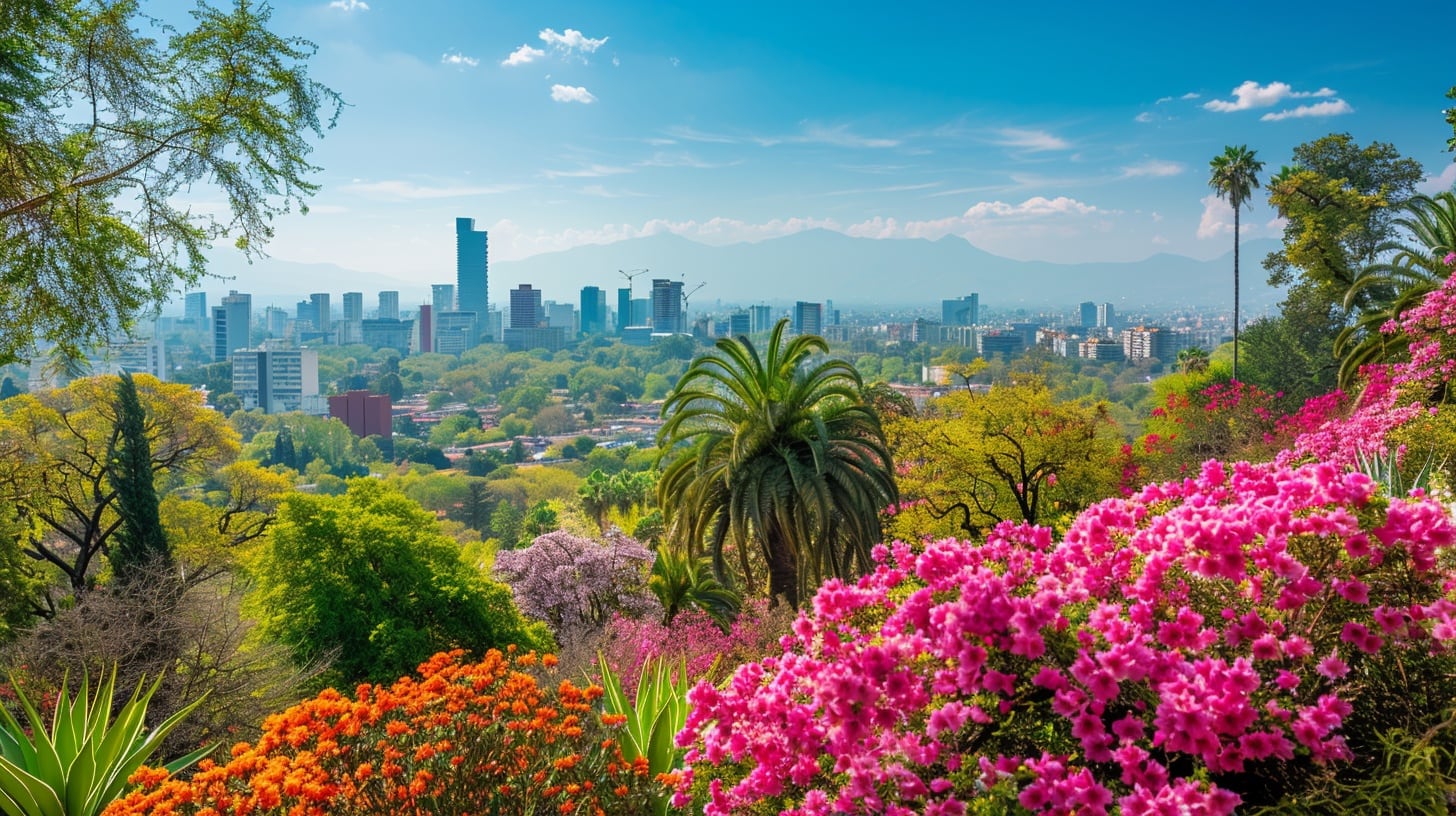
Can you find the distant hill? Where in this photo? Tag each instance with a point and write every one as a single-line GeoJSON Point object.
{"type": "Point", "coordinates": [819, 264]}
{"type": "Point", "coordinates": [813, 265]}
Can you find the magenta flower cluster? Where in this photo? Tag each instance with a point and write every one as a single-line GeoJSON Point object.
{"type": "Point", "coordinates": [1175, 642]}
{"type": "Point", "coordinates": [694, 638]}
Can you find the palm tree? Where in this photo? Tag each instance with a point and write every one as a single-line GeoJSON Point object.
{"type": "Point", "coordinates": [1233, 175]}
{"type": "Point", "coordinates": [1383, 291]}
{"type": "Point", "coordinates": [776, 454]}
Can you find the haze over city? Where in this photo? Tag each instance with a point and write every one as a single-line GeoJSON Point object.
{"type": "Point", "coordinates": [1060, 133]}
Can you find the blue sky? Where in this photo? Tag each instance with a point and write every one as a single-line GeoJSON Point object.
{"type": "Point", "coordinates": [1054, 131]}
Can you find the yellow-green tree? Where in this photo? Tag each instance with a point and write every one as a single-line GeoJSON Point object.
{"type": "Point", "coordinates": [55, 449]}
{"type": "Point", "coordinates": [1014, 453]}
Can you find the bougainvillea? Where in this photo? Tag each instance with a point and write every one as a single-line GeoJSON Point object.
{"type": "Point", "coordinates": [1197, 645]}
{"type": "Point", "coordinates": [480, 737]}
{"type": "Point", "coordinates": [576, 584]}
{"type": "Point", "coordinates": [693, 636]}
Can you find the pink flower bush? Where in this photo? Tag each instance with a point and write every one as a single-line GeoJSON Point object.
{"type": "Point", "coordinates": [696, 638]}
{"type": "Point", "coordinates": [1183, 649]}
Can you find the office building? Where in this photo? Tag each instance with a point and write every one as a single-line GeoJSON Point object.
{"type": "Point", "coordinates": [277, 380]}
{"type": "Point", "coordinates": [137, 357]}
{"type": "Point", "coordinates": [353, 305]}
{"type": "Point", "coordinates": [1100, 349]}
{"type": "Point", "coordinates": [388, 305]}
{"type": "Point", "coordinates": [666, 306]}
{"type": "Point", "coordinates": [195, 310]}
{"type": "Point", "coordinates": [1089, 314]}
{"type": "Point", "coordinates": [1154, 342]}
{"type": "Point", "coordinates": [593, 310]}
{"type": "Point", "coordinates": [455, 331]}
{"type": "Point", "coordinates": [961, 311]}
{"type": "Point", "coordinates": [739, 324]}
{"type": "Point", "coordinates": [323, 318]}
{"type": "Point", "coordinates": [561, 316]}
{"type": "Point", "coordinates": [381, 332]}
{"type": "Point", "coordinates": [231, 323]}
{"type": "Point", "coordinates": [1006, 344]}
{"type": "Point", "coordinates": [1106, 316]}
{"type": "Point", "coordinates": [808, 318]}
{"type": "Point", "coordinates": [275, 321]}
{"type": "Point", "coordinates": [442, 297]}
{"type": "Point", "coordinates": [422, 341]}
{"type": "Point", "coordinates": [526, 311]}
{"type": "Point", "coordinates": [472, 265]}
{"type": "Point", "coordinates": [366, 414]}
{"type": "Point", "coordinates": [760, 319]}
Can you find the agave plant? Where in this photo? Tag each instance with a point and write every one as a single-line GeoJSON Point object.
{"type": "Point", "coordinates": [654, 717]}
{"type": "Point", "coordinates": [82, 762]}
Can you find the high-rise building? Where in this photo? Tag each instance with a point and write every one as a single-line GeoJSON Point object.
{"type": "Point", "coordinates": [382, 332]}
{"type": "Point", "coordinates": [442, 297]}
{"type": "Point", "coordinates": [277, 380]}
{"type": "Point", "coordinates": [424, 336]}
{"type": "Point", "coordinates": [353, 305]}
{"type": "Point", "coordinates": [275, 321]}
{"type": "Point", "coordinates": [323, 318]}
{"type": "Point", "coordinates": [196, 308]}
{"type": "Point", "coordinates": [808, 318]}
{"type": "Point", "coordinates": [388, 305]}
{"type": "Point", "coordinates": [760, 319]}
{"type": "Point", "coordinates": [738, 324]}
{"type": "Point", "coordinates": [666, 306]}
{"type": "Point", "coordinates": [472, 265]}
{"type": "Point", "coordinates": [1106, 316]}
{"type": "Point", "coordinates": [230, 324]}
{"type": "Point", "coordinates": [624, 309]}
{"type": "Point", "coordinates": [561, 316]}
{"type": "Point", "coordinates": [455, 332]}
{"type": "Point", "coordinates": [526, 311]}
{"type": "Point", "coordinates": [1089, 314]}
{"type": "Point", "coordinates": [593, 310]}
{"type": "Point", "coordinates": [961, 311]}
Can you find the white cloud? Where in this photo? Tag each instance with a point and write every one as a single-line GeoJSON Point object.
{"type": "Point", "coordinates": [1159, 240]}
{"type": "Point", "coordinates": [349, 5]}
{"type": "Point", "coordinates": [1163, 99]}
{"type": "Point", "coordinates": [1439, 183]}
{"type": "Point", "coordinates": [675, 61]}
{"type": "Point", "coordinates": [590, 171]}
{"type": "Point", "coordinates": [662, 159]}
{"type": "Point", "coordinates": [1157, 168]}
{"type": "Point", "coordinates": [523, 55]}
{"type": "Point", "coordinates": [616, 61]}
{"type": "Point", "coordinates": [1189, 95]}
{"type": "Point", "coordinates": [1251, 95]}
{"type": "Point", "coordinates": [1144, 117]}
{"type": "Point", "coordinates": [840, 136]}
{"type": "Point", "coordinates": [400, 190]}
{"type": "Point", "coordinates": [991, 220]}
{"type": "Point", "coordinates": [572, 93]}
{"type": "Point", "coordinates": [571, 42]}
{"type": "Point", "coordinates": [458, 59]}
{"type": "Point", "coordinates": [1035, 140]}
{"type": "Point", "coordinates": [1333, 107]}
{"type": "Point", "coordinates": [1218, 219]}
{"type": "Point", "coordinates": [598, 191]}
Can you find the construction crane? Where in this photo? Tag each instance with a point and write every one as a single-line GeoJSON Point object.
{"type": "Point", "coordinates": [687, 293]}
{"type": "Point", "coordinates": [629, 275]}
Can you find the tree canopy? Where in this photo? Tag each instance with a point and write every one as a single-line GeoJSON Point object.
{"type": "Point", "coordinates": [109, 122]}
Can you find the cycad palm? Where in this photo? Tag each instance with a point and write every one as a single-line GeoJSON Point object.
{"type": "Point", "coordinates": [1385, 290]}
{"type": "Point", "coordinates": [1233, 175]}
{"type": "Point", "coordinates": [779, 454]}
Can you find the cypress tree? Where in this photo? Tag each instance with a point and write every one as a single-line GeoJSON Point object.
{"type": "Point", "coordinates": [138, 546]}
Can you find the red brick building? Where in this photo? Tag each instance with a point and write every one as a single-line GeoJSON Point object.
{"type": "Point", "coordinates": [366, 414]}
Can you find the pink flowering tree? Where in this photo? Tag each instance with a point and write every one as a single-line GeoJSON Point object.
{"type": "Point", "coordinates": [577, 584]}
{"type": "Point", "coordinates": [1196, 646]}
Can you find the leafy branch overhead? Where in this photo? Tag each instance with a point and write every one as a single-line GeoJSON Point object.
{"type": "Point", "coordinates": [109, 124]}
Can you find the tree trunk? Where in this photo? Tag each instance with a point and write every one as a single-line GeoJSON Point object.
{"type": "Point", "coordinates": [1236, 290]}
{"type": "Point", "coordinates": [783, 576]}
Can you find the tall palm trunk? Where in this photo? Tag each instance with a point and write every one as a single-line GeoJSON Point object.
{"type": "Point", "coordinates": [1236, 290]}
{"type": "Point", "coordinates": [783, 576]}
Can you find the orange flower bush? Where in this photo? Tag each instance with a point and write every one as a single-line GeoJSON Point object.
{"type": "Point", "coordinates": [463, 738]}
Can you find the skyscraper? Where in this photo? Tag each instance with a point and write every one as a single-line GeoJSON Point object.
{"type": "Point", "coordinates": [808, 318]}
{"type": "Point", "coordinates": [593, 310]}
{"type": "Point", "coordinates": [230, 324]}
{"type": "Point", "coordinates": [196, 307]}
{"type": "Point", "coordinates": [471, 268]}
{"type": "Point", "coordinates": [322, 313]}
{"type": "Point", "coordinates": [1089, 314]}
{"type": "Point", "coordinates": [353, 305]}
{"type": "Point", "coordinates": [961, 311]}
{"type": "Point", "coordinates": [526, 311]}
{"type": "Point", "coordinates": [389, 305]}
{"type": "Point", "coordinates": [624, 309]}
{"type": "Point", "coordinates": [666, 305]}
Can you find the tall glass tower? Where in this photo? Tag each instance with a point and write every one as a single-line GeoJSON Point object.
{"type": "Point", "coordinates": [471, 268]}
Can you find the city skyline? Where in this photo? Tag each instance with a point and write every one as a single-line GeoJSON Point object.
{"type": "Point", "coordinates": [1062, 134]}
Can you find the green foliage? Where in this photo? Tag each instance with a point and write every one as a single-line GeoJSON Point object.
{"type": "Point", "coordinates": [81, 763]}
{"type": "Point", "coordinates": [775, 454]}
{"type": "Point", "coordinates": [541, 519]}
{"type": "Point", "coordinates": [367, 579]}
{"type": "Point", "coordinates": [108, 119]}
{"type": "Point", "coordinates": [21, 579]}
{"type": "Point", "coordinates": [506, 524]}
{"type": "Point", "coordinates": [654, 715]}
{"type": "Point", "coordinates": [681, 581]}
{"type": "Point", "coordinates": [139, 546]}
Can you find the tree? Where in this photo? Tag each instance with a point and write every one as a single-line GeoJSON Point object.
{"type": "Point", "coordinates": [1192, 359]}
{"type": "Point", "coordinates": [139, 547]}
{"type": "Point", "coordinates": [779, 453]}
{"type": "Point", "coordinates": [576, 584]}
{"type": "Point", "coordinates": [106, 120]}
{"type": "Point", "coordinates": [54, 462]}
{"type": "Point", "coordinates": [368, 579]}
{"type": "Point", "coordinates": [1233, 175]}
{"type": "Point", "coordinates": [1014, 453]}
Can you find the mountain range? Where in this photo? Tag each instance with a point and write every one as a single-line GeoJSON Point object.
{"type": "Point", "coordinates": [814, 265]}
